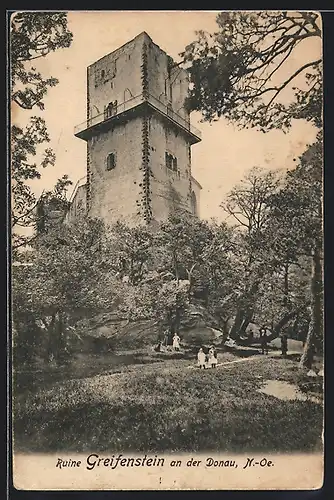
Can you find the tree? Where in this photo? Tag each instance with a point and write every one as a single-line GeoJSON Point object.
{"type": "Point", "coordinates": [254, 73]}
{"type": "Point", "coordinates": [247, 202]}
{"type": "Point", "coordinates": [129, 251]}
{"type": "Point", "coordinates": [241, 72]}
{"type": "Point", "coordinates": [247, 205]}
{"type": "Point", "coordinates": [66, 278]}
{"type": "Point", "coordinates": [36, 216]}
{"type": "Point", "coordinates": [297, 219]}
{"type": "Point", "coordinates": [171, 303]}
{"type": "Point", "coordinates": [162, 270]}
{"type": "Point", "coordinates": [219, 273]}
{"type": "Point", "coordinates": [180, 245]}
{"type": "Point", "coordinates": [164, 264]}
{"type": "Point", "coordinates": [33, 35]}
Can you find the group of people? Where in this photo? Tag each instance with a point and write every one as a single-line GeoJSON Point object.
{"type": "Point", "coordinates": [207, 360]}
{"type": "Point", "coordinates": [165, 343]}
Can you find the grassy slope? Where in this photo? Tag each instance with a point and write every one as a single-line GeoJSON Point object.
{"type": "Point", "coordinates": [167, 406]}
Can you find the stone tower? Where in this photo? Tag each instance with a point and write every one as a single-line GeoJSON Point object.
{"type": "Point", "coordinates": [138, 136]}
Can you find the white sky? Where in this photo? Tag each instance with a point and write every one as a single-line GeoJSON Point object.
{"type": "Point", "coordinates": [224, 154]}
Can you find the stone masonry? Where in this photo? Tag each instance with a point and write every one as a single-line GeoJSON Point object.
{"type": "Point", "coordinates": [138, 136]}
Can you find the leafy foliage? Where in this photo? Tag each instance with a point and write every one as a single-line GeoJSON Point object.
{"type": "Point", "coordinates": [33, 35]}
{"type": "Point", "coordinates": [297, 220]}
{"type": "Point", "coordinates": [64, 272]}
{"type": "Point", "coordinates": [129, 251]}
{"type": "Point", "coordinates": [241, 72]}
{"type": "Point", "coordinates": [297, 208]}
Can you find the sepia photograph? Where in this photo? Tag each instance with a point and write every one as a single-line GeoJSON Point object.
{"type": "Point", "coordinates": [166, 200]}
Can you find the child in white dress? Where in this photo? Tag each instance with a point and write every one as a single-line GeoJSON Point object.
{"type": "Point", "coordinates": [201, 358]}
{"type": "Point", "coordinates": [213, 357]}
{"type": "Point", "coordinates": [176, 342]}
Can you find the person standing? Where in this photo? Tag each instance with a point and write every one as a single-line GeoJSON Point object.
{"type": "Point", "coordinates": [213, 357]}
{"type": "Point", "coordinates": [284, 344]}
{"type": "Point", "coordinates": [201, 358]}
{"type": "Point", "coordinates": [176, 342]}
{"type": "Point", "coordinates": [166, 337]}
{"type": "Point", "coordinates": [264, 340]}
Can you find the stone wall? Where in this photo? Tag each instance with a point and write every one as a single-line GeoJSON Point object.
{"type": "Point", "coordinates": [78, 205]}
{"type": "Point", "coordinates": [117, 76]}
{"type": "Point", "coordinates": [114, 193]}
{"type": "Point", "coordinates": [140, 187]}
{"type": "Point", "coordinates": [169, 188]}
{"type": "Point", "coordinates": [195, 197]}
{"type": "Point", "coordinates": [167, 82]}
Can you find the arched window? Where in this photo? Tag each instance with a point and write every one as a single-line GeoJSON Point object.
{"type": "Point", "coordinates": [193, 203]}
{"type": "Point", "coordinates": [171, 161]}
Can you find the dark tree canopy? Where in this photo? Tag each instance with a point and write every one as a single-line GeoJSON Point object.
{"type": "Point", "coordinates": [241, 71]}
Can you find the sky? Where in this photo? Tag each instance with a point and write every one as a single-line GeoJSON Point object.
{"type": "Point", "coordinates": [225, 153]}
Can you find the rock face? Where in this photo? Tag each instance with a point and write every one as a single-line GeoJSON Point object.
{"type": "Point", "coordinates": [113, 331]}
{"type": "Point", "coordinates": [116, 332]}
{"type": "Point", "coordinates": [201, 336]}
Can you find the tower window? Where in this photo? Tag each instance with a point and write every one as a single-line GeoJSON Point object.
{"type": "Point", "coordinates": [103, 73]}
{"type": "Point", "coordinates": [171, 161]}
{"type": "Point", "coordinates": [111, 161]}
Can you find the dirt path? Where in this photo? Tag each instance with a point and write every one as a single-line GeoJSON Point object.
{"type": "Point", "coordinates": [227, 362]}
{"type": "Point", "coordinates": [273, 354]}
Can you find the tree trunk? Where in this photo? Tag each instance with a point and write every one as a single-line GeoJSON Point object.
{"type": "Point", "coordinates": [287, 316]}
{"type": "Point", "coordinates": [243, 313]}
{"type": "Point", "coordinates": [286, 286]}
{"type": "Point", "coordinates": [315, 329]}
{"type": "Point", "coordinates": [225, 328]}
{"type": "Point", "coordinates": [176, 268]}
{"type": "Point", "coordinates": [190, 279]}
{"type": "Point", "coordinates": [237, 324]}
{"type": "Point", "coordinates": [62, 337]}
{"type": "Point", "coordinates": [56, 336]}
{"type": "Point", "coordinates": [295, 328]}
{"type": "Point", "coordinates": [247, 319]}
{"type": "Point", "coordinates": [177, 321]}
{"type": "Point", "coordinates": [306, 360]}
{"type": "Point", "coordinates": [50, 340]}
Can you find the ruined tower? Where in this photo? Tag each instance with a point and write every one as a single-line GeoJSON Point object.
{"type": "Point", "coordinates": [138, 136]}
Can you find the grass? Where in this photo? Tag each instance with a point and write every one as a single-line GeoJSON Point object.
{"type": "Point", "coordinates": [83, 365]}
{"type": "Point", "coordinates": [166, 406]}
